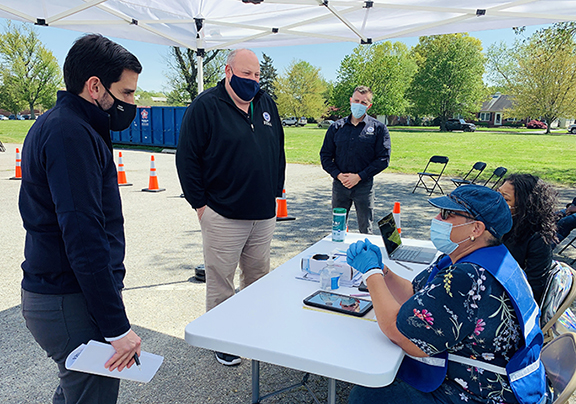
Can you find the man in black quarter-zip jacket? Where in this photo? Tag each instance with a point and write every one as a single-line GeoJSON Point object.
{"type": "Point", "coordinates": [231, 166]}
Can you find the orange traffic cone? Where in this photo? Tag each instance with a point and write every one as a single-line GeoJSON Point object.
{"type": "Point", "coordinates": [153, 184]}
{"type": "Point", "coordinates": [18, 174]}
{"type": "Point", "coordinates": [282, 212]}
{"type": "Point", "coordinates": [121, 173]}
{"type": "Point", "coordinates": [396, 214]}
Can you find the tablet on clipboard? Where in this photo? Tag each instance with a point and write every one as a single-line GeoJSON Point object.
{"type": "Point", "coordinates": [339, 303]}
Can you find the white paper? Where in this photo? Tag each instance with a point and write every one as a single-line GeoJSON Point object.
{"type": "Point", "coordinates": [92, 357]}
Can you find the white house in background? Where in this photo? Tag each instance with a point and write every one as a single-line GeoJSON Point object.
{"type": "Point", "coordinates": [492, 113]}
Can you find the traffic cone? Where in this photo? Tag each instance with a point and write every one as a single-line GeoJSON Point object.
{"type": "Point", "coordinates": [121, 173]}
{"type": "Point", "coordinates": [396, 214]}
{"type": "Point", "coordinates": [153, 184]}
{"type": "Point", "coordinates": [282, 212]}
{"type": "Point", "coordinates": [18, 174]}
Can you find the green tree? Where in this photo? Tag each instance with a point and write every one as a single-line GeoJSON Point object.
{"type": "Point", "coordinates": [30, 72]}
{"type": "Point", "coordinates": [268, 76]}
{"type": "Point", "coordinates": [183, 73]}
{"type": "Point", "coordinates": [299, 91]}
{"type": "Point", "coordinates": [384, 67]}
{"type": "Point", "coordinates": [542, 76]}
{"type": "Point", "coordinates": [449, 77]}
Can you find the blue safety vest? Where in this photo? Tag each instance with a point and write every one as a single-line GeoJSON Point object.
{"type": "Point", "coordinates": [525, 371]}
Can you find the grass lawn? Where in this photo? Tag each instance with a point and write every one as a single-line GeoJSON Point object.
{"type": "Point", "coordinates": [552, 157]}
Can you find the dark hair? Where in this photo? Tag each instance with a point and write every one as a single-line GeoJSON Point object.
{"type": "Point", "coordinates": [535, 204]}
{"type": "Point", "coordinates": [95, 55]}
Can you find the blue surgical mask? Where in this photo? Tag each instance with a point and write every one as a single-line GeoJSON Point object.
{"type": "Point", "coordinates": [358, 110]}
{"type": "Point", "coordinates": [246, 89]}
{"type": "Point", "coordinates": [440, 235]}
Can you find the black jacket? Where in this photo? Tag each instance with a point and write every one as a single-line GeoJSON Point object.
{"type": "Point", "coordinates": [363, 149]}
{"type": "Point", "coordinates": [71, 209]}
{"type": "Point", "coordinates": [229, 160]}
{"type": "Point", "coordinates": [534, 256]}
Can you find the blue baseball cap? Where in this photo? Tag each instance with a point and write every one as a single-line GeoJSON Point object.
{"type": "Point", "coordinates": [480, 202]}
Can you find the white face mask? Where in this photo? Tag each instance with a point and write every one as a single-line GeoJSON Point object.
{"type": "Point", "coordinates": [440, 235]}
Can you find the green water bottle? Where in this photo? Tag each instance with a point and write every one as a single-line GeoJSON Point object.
{"type": "Point", "coordinates": [339, 224]}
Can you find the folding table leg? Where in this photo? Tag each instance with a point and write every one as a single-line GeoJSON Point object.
{"type": "Point", "coordinates": [331, 391]}
{"type": "Point", "coordinates": [255, 381]}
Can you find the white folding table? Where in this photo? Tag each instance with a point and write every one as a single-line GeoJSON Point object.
{"type": "Point", "coordinates": [267, 322]}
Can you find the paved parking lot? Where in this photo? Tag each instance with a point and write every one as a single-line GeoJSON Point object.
{"type": "Point", "coordinates": [163, 247]}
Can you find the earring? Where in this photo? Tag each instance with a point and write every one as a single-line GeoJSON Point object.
{"type": "Point", "coordinates": [472, 238]}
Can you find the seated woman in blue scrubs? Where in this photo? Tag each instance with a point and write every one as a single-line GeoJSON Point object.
{"type": "Point", "coordinates": [469, 323]}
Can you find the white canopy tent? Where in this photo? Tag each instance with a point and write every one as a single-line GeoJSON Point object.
{"type": "Point", "coordinates": [204, 25]}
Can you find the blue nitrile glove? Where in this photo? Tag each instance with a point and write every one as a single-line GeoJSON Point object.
{"type": "Point", "coordinates": [364, 256]}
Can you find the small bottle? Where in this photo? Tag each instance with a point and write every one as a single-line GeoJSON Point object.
{"type": "Point", "coordinates": [325, 280]}
{"type": "Point", "coordinates": [338, 224]}
{"type": "Point", "coordinates": [333, 274]}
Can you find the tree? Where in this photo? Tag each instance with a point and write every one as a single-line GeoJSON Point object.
{"type": "Point", "coordinates": [268, 76]}
{"type": "Point", "coordinates": [542, 77]}
{"type": "Point", "coordinates": [30, 72]}
{"type": "Point", "coordinates": [449, 77]}
{"type": "Point", "coordinates": [183, 72]}
{"type": "Point", "coordinates": [299, 91]}
{"type": "Point", "coordinates": [384, 67]}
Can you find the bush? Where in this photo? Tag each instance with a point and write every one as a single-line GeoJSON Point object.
{"type": "Point", "coordinates": [534, 124]}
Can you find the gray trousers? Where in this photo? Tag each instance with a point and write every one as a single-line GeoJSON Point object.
{"type": "Point", "coordinates": [362, 195]}
{"type": "Point", "coordinates": [231, 243]}
{"type": "Point", "coordinates": [59, 324]}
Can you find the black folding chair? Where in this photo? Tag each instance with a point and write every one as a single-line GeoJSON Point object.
{"type": "Point", "coordinates": [434, 176]}
{"type": "Point", "coordinates": [497, 175]}
{"type": "Point", "coordinates": [478, 167]}
{"type": "Point", "coordinates": [570, 244]}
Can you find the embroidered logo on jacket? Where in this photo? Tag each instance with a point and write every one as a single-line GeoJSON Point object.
{"type": "Point", "coordinates": [267, 118]}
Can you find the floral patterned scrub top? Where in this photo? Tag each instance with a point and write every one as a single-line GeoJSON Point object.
{"type": "Point", "coordinates": [464, 310]}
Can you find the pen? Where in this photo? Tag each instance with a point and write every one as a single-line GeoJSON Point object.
{"type": "Point", "coordinates": [137, 360]}
{"type": "Point", "coordinates": [405, 266]}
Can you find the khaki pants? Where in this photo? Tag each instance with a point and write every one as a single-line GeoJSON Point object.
{"type": "Point", "coordinates": [228, 243]}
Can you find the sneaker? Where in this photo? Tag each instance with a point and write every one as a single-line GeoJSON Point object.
{"type": "Point", "coordinates": [227, 359]}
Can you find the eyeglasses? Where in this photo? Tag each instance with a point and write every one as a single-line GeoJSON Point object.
{"type": "Point", "coordinates": [446, 213]}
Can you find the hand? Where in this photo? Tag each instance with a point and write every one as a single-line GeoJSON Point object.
{"type": "Point", "coordinates": [200, 212]}
{"type": "Point", "coordinates": [364, 256]}
{"type": "Point", "coordinates": [125, 348]}
{"type": "Point", "coordinates": [349, 180]}
{"type": "Point", "coordinates": [570, 210]}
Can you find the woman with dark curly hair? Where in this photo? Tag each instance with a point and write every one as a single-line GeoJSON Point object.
{"type": "Point", "coordinates": [532, 238]}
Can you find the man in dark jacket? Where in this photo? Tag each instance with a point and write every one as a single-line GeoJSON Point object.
{"type": "Point", "coordinates": [231, 165]}
{"type": "Point", "coordinates": [355, 149]}
{"type": "Point", "coordinates": [71, 210]}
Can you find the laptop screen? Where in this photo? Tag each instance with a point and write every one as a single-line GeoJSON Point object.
{"type": "Point", "coordinates": [390, 233]}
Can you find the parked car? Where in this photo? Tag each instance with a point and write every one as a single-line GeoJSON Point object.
{"type": "Point", "coordinates": [293, 121]}
{"type": "Point", "coordinates": [16, 117]}
{"type": "Point", "coordinates": [460, 124]}
{"type": "Point", "coordinates": [325, 123]}
{"type": "Point", "coordinates": [572, 129]}
{"type": "Point", "coordinates": [26, 116]}
{"type": "Point", "coordinates": [289, 121]}
{"type": "Point", "coordinates": [3, 117]}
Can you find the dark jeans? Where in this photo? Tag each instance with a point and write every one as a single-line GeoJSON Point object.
{"type": "Point", "coordinates": [363, 197]}
{"type": "Point", "coordinates": [565, 226]}
{"type": "Point", "coordinates": [60, 323]}
{"type": "Point", "coordinates": [396, 393]}
{"type": "Point", "coordinates": [400, 392]}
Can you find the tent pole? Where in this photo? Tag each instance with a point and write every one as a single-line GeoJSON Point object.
{"type": "Point", "coordinates": [200, 64]}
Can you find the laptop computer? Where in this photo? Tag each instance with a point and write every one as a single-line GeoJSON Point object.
{"type": "Point", "coordinates": [399, 252]}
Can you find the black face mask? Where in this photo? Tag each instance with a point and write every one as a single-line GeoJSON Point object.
{"type": "Point", "coordinates": [121, 113]}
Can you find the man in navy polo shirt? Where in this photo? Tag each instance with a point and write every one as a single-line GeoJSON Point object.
{"type": "Point", "coordinates": [355, 149]}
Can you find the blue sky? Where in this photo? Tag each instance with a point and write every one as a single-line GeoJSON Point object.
{"type": "Point", "coordinates": [325, 56]}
